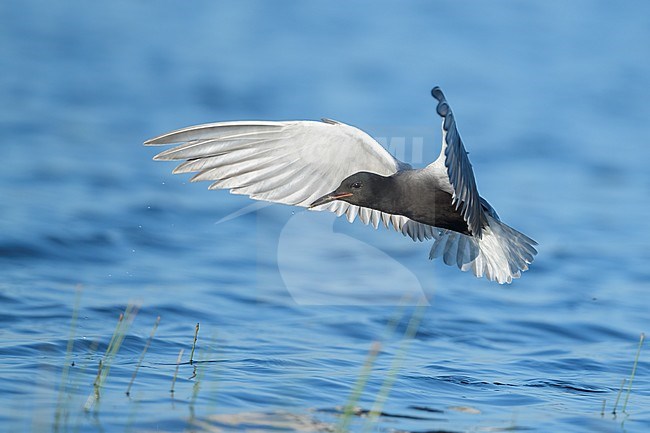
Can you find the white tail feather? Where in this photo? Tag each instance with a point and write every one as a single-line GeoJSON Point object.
{"type": "Point", "coordinates": [501, 254]}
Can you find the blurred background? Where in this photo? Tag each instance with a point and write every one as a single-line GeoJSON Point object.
{"type": "Point", "coordinates": [551, 99]}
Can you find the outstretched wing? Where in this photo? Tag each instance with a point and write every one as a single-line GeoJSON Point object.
{"type": "Point", "coordinates": [459, 169]}
{"type": "Point", "coordinates": [292, 162]}
{"type": "Point", "coordinates": [284, 162]}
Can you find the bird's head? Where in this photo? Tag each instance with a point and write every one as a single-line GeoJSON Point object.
{"type": "Point", "coordinates": [362, 189]}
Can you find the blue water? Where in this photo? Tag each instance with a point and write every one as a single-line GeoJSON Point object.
{"type": "Point", "coordinates": [552, 103]}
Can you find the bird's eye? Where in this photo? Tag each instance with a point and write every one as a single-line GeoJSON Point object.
{"type": "Point", "coordinates": [356, 185]}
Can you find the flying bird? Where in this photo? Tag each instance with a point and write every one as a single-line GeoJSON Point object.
{"type": "Point", "coordinates": [329, 165]}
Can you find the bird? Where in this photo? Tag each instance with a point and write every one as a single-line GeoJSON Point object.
{"type": "Point", "coordinates": [330, 165]}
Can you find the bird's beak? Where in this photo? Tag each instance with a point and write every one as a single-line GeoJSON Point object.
{"type": "Point", "coordinates": [330, 197]}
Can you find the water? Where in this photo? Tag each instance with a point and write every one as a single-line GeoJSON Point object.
{"type": "Point", "coordinates": [552, 102]}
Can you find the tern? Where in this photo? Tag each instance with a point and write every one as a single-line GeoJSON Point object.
{"type": "Point", "coordinates": [329, 165]}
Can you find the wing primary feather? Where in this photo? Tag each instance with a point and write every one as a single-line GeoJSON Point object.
{"type": "Point", "coordinates": [214, 130]}
{"type": "Point", "coordinates": [459, 169]}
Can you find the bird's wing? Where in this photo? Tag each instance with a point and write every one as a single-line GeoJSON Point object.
{"type": "Point", "coordinates": [459, 169]}
{"type": "Point", "coordinates": [292, 163]}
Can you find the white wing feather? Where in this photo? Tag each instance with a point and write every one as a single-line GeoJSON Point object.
{"type": "Point", "coordinates": [291, 163]}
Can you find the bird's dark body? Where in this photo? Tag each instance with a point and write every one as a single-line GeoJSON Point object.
{"type": "Point", "coordinates": [435, 209]}
{"type": "Point", "coordinates": [410, 193]}
{"type": "Point", "coordinates": [426, 202]}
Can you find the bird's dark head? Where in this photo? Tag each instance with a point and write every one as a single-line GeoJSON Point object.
{"type": "Point", "coordinates": [362, 189]}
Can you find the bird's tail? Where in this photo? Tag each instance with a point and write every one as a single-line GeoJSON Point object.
{"type": "Point", "coordinates": [501, 254]}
